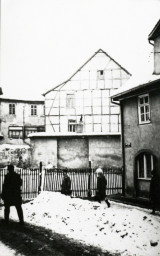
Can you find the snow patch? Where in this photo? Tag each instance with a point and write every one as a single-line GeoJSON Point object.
{"type": "Point", "coordinates": [125, 229]}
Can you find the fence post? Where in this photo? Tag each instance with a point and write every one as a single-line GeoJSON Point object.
{"type": "Point", "coordinates": [40, 178]}
{"type": "Point", "coordinates": [123, 181]}
{"type": "Point", "coordinates": [89, 180]}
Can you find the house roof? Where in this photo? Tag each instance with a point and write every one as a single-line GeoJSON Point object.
{"type": "Point", "coordinates": [71, 134]}
{"type": "Point", "coordinates": [99, 51]}
{"type": "Point", "coordinates": [155, 31]}
{"type": "Point", "coordinates": [133, 88]}
{"type": "Point", "coordinates": [22, 101]}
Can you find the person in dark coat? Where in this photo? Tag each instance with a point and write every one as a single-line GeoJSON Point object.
{"type": "Point", "coordinates": [155, 191]}
{"type": "Point", "coordinates": [11, 194]}
{"type": "Point", "coordinates": [101, 187]}
{"type": "Point", "coordinates": [66, 184]}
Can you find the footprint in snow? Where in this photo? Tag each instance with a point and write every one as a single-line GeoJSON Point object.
{"type": "Point", "coordinates": [124, 235]}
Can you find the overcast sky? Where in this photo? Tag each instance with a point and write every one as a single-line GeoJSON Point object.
{"type": "Point", "coordinates": [43, 42]}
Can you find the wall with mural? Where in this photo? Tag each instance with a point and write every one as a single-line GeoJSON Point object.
{"type": "Point", "coordinates": [76, 151]}
{"type": "Point", "coordinates": [19, 155]}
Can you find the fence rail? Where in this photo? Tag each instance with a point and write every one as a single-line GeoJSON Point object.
{"type": "Point", "coordinates": [83, 181]}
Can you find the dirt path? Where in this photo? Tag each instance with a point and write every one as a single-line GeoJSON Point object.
{"type": "Point", "coordinates": [37, 241]}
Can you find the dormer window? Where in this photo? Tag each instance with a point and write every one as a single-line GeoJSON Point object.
{"type": "Point", "coordinates": [100, 74]}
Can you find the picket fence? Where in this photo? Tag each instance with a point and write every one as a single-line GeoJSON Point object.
{"type": "Point", "coordinates": [83, 181]}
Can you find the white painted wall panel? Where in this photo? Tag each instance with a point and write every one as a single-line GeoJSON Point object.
{"type": "Point", "coordinates": [96, 110]}
{"type": "Point", "coordinates": [105, 119]}
{"type": "Point", "coordinates": [88, 119]}
{"type": "Point", "coordinates": [105, 128]}
{"type": "Point", "coordinates": [115, 110]}
{"type": "Point", "coordinates": [97, 119]}
{"type": "Point", "coordinates": [97, 127]}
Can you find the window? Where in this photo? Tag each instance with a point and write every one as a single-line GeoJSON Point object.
{"type": "Point", "coordinates": [15, 132]}
{"type": "Point", "coordinates": [72, 125]}
{"type": "Point", "coordinates": [100, 74]}
{"type": "Point", "coordinates": [70, 101]}
{"type": "Point", "coordinates": [29, 130]}
{"type": "Point", "coordinates": [12, 109]}
{"type": "Point", "coordinates": [41, 128]}
{"type": "Point", "coordinates": [145, 164]}
{"type": "Point", "coordinates": [33, 110]}
{"type": "Point", "coordinates": [144, 109]}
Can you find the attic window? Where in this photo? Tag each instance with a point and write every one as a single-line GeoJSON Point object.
{"type": "Point", "coordinates": [70, 100]}
{"type": "Point", "coordinates": [100, 74]}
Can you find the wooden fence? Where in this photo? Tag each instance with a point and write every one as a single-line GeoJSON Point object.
{"type": "Point", "coordinates": [83, 181]}
{"type": "Point", "coordinates": [31, 181]}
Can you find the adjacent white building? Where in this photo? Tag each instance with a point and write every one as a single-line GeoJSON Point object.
{"type": "Point", "coordinates": [82, 103]}
{"type": "Point", "coordinates": [82, 125]}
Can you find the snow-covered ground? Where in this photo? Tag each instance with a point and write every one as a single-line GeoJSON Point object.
{"type": "Point", "coordinates": [121, 228]}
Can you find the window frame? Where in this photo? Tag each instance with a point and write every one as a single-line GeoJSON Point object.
{"type": "Point", "coordinates": [32, 129]}
{"type": "Point", "coordinates": [33, 110]}
{"type": "Point", "coordinates": [70, 101]}
{"type": "Point", "coordinates": [12, 108]}
{"type": "Point", "coordinates": [99, 75]}
{"type": "Point", "coordinates": [144, 155]}
{"type": "Point", "coordinates": [145, 113]}
{"type": "Point", "coordinates": [29, 130]}
{"type": "Point", "coordinates": [72, 125]}
{"type": "Point", "coordinates": [12, 130]}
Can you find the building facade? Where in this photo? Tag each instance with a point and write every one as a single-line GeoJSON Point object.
{"type": "Point", "coordinates": [81, 120]}
{"type": "Point", "coordinates": [18, 119]}
{"type": "Point", "coordinates": [140, 112]}
{"type": "Point", "coordinates": [82, 103]}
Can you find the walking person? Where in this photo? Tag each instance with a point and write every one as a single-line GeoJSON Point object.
{"type": "Point", "coordinates": [155, 191]}
{"type": "Point", "coordinates": [11, 194]}
{"type": "Point", "coordinates": [66, 184]}
{"type": "Point", "coordinates": [101, 187]}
